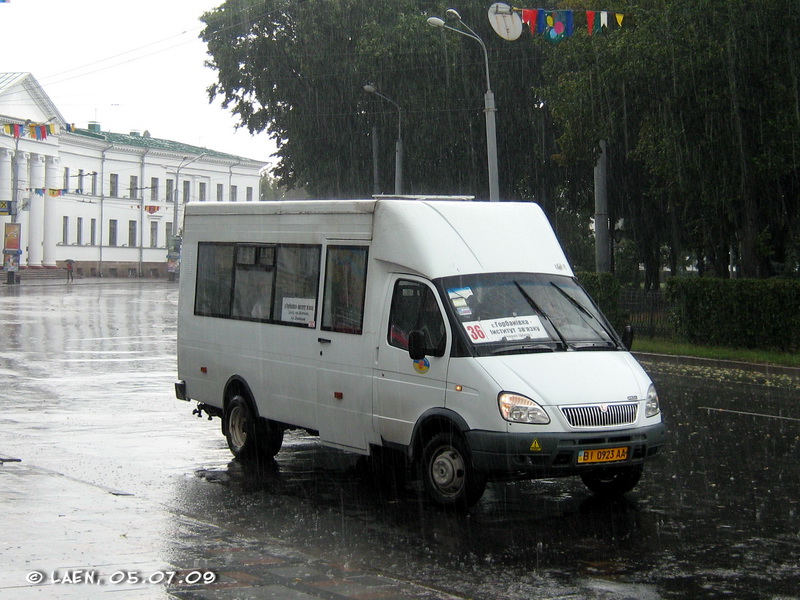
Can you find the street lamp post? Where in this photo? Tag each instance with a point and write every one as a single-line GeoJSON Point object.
{"type": "Point", "coordinates": [177, 187]}
{"type": "Point", "coordinates": [488, 98]}
{"type": "Point", "coordinates": [398, 148]}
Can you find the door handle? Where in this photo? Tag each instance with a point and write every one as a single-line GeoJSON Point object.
{"type": "Point", "coordinates": [323, 340]}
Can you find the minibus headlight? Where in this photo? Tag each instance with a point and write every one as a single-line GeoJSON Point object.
{"type": "Point", "coordinates": [519, 409]}
{"type": "Point", "coordinates": [651, 406]}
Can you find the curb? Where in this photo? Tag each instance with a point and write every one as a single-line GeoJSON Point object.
{"type": "Point", "coordinates": [764, 369]}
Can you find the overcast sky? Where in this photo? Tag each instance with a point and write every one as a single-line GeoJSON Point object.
{"type": "Point", "coordinates": [129, 65]}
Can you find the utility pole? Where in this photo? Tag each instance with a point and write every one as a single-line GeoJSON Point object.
{"type": "Point", "coordinates": [602, 226]}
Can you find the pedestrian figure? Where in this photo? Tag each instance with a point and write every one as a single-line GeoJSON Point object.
{"type": "Point", "coordinates": [69, 271]}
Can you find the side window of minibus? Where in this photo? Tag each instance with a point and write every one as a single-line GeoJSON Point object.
{"type": "Point", "coordinates": [414, 307]}
{"type": "Point", "coordinates": [345, 289]}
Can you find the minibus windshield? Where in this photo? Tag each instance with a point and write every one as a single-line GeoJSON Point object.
{"type": "Point", "coordinates": [527, 312]}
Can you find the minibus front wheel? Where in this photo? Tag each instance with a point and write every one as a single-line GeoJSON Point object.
{"type": "Point", "coordinates": [447, 472]}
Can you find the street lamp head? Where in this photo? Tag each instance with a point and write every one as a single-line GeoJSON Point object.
{"type": "Point", "coordinates": [370, 88]}
{"type": "Point", "coordinates": [435, 22]}
{"type": "Point", "coordinates": [453, 15]}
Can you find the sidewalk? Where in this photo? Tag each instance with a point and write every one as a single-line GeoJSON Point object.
{"type": "Point", "coordinates": [59, 277]}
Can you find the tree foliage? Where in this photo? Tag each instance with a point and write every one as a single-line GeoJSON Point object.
{"type": "Point", "coordinates": [697, 100]}
{"type": "Point", "coordinates": [296, 70]}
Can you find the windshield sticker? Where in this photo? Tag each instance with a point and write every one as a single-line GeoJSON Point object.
{"type": "Point", "coordinates": [458, 298]}
{"type": "Point", "coordinates": [508, 329]}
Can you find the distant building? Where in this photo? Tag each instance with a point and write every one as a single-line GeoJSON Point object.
{"type": "Point", "coordinates": [108, 202]}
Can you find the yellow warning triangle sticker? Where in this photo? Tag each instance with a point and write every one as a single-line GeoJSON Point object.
{"type": "Point", "coordinates": [536, 446]}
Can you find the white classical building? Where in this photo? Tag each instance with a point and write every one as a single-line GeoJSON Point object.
{"type": "Point", "coordinates": [107, 202]}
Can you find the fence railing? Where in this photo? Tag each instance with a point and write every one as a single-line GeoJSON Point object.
{"type": "Point", "coordinates": [649, 313]}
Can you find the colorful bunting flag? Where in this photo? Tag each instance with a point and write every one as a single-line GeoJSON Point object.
{"type": "Point", "coordinates": [555, 25]}
{"type": "Point", "coordinates": [558, 24]}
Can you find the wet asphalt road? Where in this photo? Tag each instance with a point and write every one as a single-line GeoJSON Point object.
{"type": "Point", "coordinates": [116, 475]}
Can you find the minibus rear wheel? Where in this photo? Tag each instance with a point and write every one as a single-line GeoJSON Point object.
{"type": "Point", "coordinates": [240, 427]}
{"type": "Point", "coordinates": [611, 482]}
{"type": "Point", "coordinates": [248, 436]}
{"type": "Point", "coordinates": [448, 474]}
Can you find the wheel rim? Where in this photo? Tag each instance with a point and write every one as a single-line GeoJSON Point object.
{"type": "Point", "coordinates": [447, 471]}
{"type": "Point", "coordinates": [237, 423]}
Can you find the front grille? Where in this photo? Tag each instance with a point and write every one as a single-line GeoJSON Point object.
{"type": "Point", "coordinates": [601, 415]}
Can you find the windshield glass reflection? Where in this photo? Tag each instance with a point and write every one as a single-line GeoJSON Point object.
{"type": "Point", "coordinates": [527, 312]}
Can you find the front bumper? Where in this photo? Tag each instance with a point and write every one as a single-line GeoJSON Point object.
{"type": "Point", "coordinates": [538, 455]}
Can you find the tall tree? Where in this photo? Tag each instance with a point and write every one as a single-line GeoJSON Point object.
{"type": "Point", "coordinates": [296, 70]}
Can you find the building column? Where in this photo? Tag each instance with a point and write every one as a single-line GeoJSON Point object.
{"type": "Point", "coordinates": [51, 227]}
{"type": "Point", "coordinates": [22, 196]}
{"type": "Point", "coordinates": [36, 213]}
{"type": "Point", "coordinates": [6, 181]}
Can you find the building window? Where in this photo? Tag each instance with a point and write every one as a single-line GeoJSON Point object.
{"type": "Point", "coordinates": [66, 185]}
{"type": "Point", "coordinates": [65, 231]}
{"type": "Point", "coordinates": [187, 191]}
{"type": "Point", "coordinates": [80, 181]}
{"type": "Point", "coordinates": [233, 193]}
{"type": "Point", "coordinates": [154, 189]}
{"type": "Point", "coordinates": [93, 232]}
{"type": "Point", "coordinates": [79, 232]}
{"type": "Point", "coordinates": [132, 234]}
{"type": "Point", "coordinates": [113, 184]}
{"type": "Point", "coordinates": [134, 187]}
{"type": "Point", "coordinates": [154, 234]}
{"type": "Point", "coordinates": [249, 193]}
{"type": "Point", "coordinates": [112, 232]}
{"type": "Point", "coordinates": [220, 192]}
{"type": "Point", "coordinates": [202, 191]}
{"type": "Point", "coordinates": [170, 190]}
{"type": "Point", "coordinates": [94, 184]}
{"type": "Point", "coordinates": [169, 229]}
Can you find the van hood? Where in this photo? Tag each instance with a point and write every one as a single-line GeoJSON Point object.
{"type": "Point", "coordinates": [561, 378]}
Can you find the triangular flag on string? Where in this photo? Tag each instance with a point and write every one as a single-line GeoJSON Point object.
{"type": "Point", "coordinates": [590, 15]}
{"type": "Point", "coordinates": [604, 18]}
{"type": "Point", "coordinates": [619, 19]}
{"type": "Point", "coordinates": [530, 16]}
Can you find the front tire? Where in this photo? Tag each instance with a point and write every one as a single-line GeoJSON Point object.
{"type": "Point", "coordinates": [612, 482]}
{"type": "Point", "coordinates": [448, 474]}
{"type": "Point", "coordinates": [249, 437]}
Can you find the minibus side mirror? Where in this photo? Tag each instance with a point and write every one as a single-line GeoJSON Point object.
{"type": "Point", "coordinates": [627, 337]}
{"type": "Point", "coordinates": [416, 344]}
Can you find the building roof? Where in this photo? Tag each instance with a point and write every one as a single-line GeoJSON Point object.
{"type": "Point", "coordinates": [9, 81]}
{"type": "Point", "coordinates": [145, 140]}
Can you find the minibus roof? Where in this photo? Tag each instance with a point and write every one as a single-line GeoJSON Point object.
{"type": "Point", "coordinates": [433, 236]}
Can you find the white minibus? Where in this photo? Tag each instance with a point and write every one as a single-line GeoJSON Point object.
{"type": "Point", "coordinates": [446, 331]}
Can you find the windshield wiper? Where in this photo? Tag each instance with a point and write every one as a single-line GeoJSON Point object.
{"type": "Point", "coordinates": [582, 309]}
{"type": "Point", "coordinates": [523, 349]}
{"type": "Point", "coordinates": [536, 307]}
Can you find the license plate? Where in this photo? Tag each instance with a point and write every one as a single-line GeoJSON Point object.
{"type": "Point", "coordinates": [602, 455]}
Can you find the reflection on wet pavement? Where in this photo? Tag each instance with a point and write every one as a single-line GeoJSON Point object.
{"type": "Point", "coordinates": [117, 475]}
